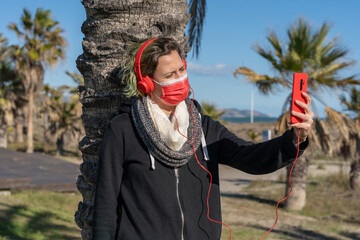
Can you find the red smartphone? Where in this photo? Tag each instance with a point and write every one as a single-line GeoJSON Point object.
{"type": "Point", "coordinates": [299, 86]}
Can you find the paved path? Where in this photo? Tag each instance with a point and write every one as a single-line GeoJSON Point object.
{"type": "Point", "coordinates": [233, 181]}
{"type": "Point", "coordinates": [37, 170]}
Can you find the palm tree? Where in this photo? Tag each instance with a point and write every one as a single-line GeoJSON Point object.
{"type": "Point", "coordinates": [306, 50]}
{"type": "Point", "coordinates": [3, 48]}
{"type": "Point", "coordinates": [79, 81]}
{"type": "Point", "coordinates": [50, 97]}
{"type": "Point", "coordinates": [210, 110]}
{"type": "Point", "coordinates": [7, 102]}
{"type": "Point", "coordinates": [63, 119]}
{"type": "Point", "coordinates": [4, 103]}
{"type": "Point", "coordinates": [5, 107]}
{"type": "Point", "coordinates": [10, 89]}
{"type": "Point", "coordinates": [110, 28]}
{"type": "Point", "coordinates": [13, 93]}
{"type": "Point", "coordinates": [353, 104]}
{"type": "Point", "coordinates": [45, 109]}
{"type": "Point", "coordinates": [43, 45]}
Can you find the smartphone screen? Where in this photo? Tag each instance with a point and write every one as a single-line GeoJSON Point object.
{"type": "Point", "coordinates": [299, 86]}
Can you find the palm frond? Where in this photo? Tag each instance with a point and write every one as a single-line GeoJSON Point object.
{"type": "Point", "coordinates": [197, 12]}
{"type": "Point", "coordinates": [276, 44]}
{"type": "Point", "coordinates": [26, 20]}
{"type": "Point", "coordinates": [287, 104]}
{"type": "Point", "coordinates": [77, 78]}
{"type": "Point", "coordinates": [321, 136]}
{"type": "Point", "coordinates": [306, 50]}
{"type": "Point", "coordinates": [342, 123]}
{"type": "Point", "coordinates": [354, 103]}
{"type": "Point", "coordinates": [268, 55]}
{"type": "Point", "coordinates": [281, 124]}
{"type": "Point", "coordinates": [347, 81]}
{"type": "Point", "coordinates": [265, 83]}
{"type": "Point", "coordinates": [211, 111]}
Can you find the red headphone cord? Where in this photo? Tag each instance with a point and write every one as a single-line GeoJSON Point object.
{"type": "Point", "coordinates": [197, 160]}
{"type": "Point", "coordinates": [277, 205]}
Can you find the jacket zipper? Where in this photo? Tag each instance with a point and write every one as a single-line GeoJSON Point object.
{"type": "Point", "coordinates": [178, 199]}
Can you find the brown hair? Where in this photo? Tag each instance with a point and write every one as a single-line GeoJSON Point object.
{"type": "Point", "coordinates": [159, 47]}
{"type": "Point", "coordinates": [149, 60]}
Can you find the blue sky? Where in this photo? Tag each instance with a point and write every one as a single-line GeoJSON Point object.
{"type": "Point", "coordinates": [231, 29]}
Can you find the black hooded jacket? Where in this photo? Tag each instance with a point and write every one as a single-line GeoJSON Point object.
{"type": "Point", "coordinates": [135, 202]}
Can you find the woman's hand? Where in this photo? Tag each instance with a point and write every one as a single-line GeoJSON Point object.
{"type": "Point", "coordinates": [307, 117]}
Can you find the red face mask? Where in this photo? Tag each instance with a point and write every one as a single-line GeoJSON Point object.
{"type": "Point", "coordinates": [175, 91]}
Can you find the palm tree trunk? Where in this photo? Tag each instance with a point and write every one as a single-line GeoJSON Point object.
{"type": "Point", "coordinates": [46, 125]}
{"type": "Point", "coordinates": [297, 198]}
{"type": "Point", "coordinates": [3, 136]}
{"type": "Point", "coordinates": [355, 174]}
{"type": "Point", "coordinates": [30, 131]}
{"type": "Point", "coordinates": [60, 145]}
{"type": "Point", "coordinates": [110, 28]}
{"type": "Point", "coordinates": [19, 136]}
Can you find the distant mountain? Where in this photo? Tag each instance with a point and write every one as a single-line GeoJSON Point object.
{"type": "Point", "coordinates": [236, 113]}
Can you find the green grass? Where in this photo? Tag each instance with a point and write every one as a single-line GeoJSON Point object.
{"type": "Point", "coordinates": [331, 198]}
{"type": "Point", "coordinates": [38, 215]}
{"type": "Point", "coordinates": [332, 212]}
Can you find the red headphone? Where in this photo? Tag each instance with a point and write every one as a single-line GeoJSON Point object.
{"type": "Point", "coordinates": [144, 84]}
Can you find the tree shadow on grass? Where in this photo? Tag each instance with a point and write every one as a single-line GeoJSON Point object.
{"type": "Point", "coordinates": [353, 236]}
{"type": "Point", "coordinates": [238, 181]}
{"type": "Point", "coordinates": [18, 222]}
{"type": "Point", "coordinates": [241, 181]}
{"type": "Point", "coordinates": [295, 233]}
{"type": "Point", "coordinates": [252, 198]}
{"type": "Point", "coordinates": [353, 220]}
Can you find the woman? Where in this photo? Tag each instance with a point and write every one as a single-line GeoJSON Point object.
{"type": "Point", "coordinates": [150, 183]}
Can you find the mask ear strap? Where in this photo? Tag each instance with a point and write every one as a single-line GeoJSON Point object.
{"type": "Point", "coordinates": [156, 82]}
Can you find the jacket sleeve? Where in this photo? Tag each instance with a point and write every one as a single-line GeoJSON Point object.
{"type": "Point", "coordinates": [107, 187]}
{"type": "Point", "coordinates": [255, 158]}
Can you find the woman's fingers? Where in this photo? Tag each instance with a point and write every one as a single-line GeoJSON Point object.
{"type": "Point", "coordinates": [307, 117]}
{"type": "Point", "coordinates": [303, 116]}
{"type": "Point", "coordinates": [308, 98]}
{"type": "Point", "coordinates": [306, 106]}
{"type": "Point", "coordinates": [306, 109]}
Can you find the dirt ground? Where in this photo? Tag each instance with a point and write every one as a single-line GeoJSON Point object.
{"type": "Point", "coordinates": [291, 225]}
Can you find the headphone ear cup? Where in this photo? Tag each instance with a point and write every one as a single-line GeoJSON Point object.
{"type": "Point", "coordinates": [141, 86]}
{"type": "Point", "coordinates": [184, 63]}
{"type": "Point", "coordinates": [146, 85]}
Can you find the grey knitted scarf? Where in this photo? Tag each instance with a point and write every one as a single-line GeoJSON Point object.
{"type": "Point", "coordinates": [152, 139]}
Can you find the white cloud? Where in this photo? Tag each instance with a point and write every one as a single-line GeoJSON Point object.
{"type": "Point", "coordinates": [209, 70]}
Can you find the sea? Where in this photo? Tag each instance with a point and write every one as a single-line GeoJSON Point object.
{"type": "Point", "coordinates": [247, 119]}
